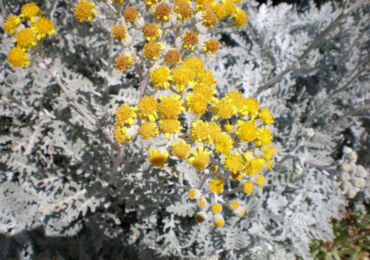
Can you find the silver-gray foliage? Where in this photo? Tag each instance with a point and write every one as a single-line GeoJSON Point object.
{"type": "Point", "coordinates": [58, 155]}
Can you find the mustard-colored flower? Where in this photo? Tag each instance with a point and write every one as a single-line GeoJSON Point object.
{"type": "Point", "coordinates": [119, 32]}
{"type": "Point", "coordinates": [254, 166]}
{"type": "Point", "coordinates": [240, 17]}
{"type": "Point", "coordinates": [201, 203]}
{"type": "Point", "coordinates": [17, 57]}
{"type": "Point", "coordinates": [194, 63]}
{"type": "Point", "coordinates": [152, 50]}
{"type": "Point", "coordinates": [268, 152]}
{"type": "Point", "coordinates": [223, 143]}
{"type": "Point", "coordinates": [29, 11]}
{"type": "Point", "coordinates": [194, 194]}
{"type": "Point", "coordinates": [218, 220]}
{"type": "Point", "coordinates": [160, 77]}
{"type": "Point", "coordinates": [261, 181]}
{"type": "Point", "coordinates": [251, 106]}
{"type": "Point", "coordinates": [206, 91]}
{"type": "Point", "coordinates": [148, 130]}
{"type": "Point", "coordinates": [229, 7]}
{"type": "Point", "coordinates": [248, 187]}
{"type": "Point", "coordinates": [180, 149]}
{"type": "Point", "coordinates": [229, 127]}
{"type": "Point", "coordinates": [266, 116]}
{"type": "Point", "coordinates": [207, 78]}
{"type": "Point", "coordinates": [224, 108]}
{"type": "Point", "coordinates": [264, 137]}
{"type": "Point", "coordinates": [200, 158]}
{"type": "Point", "coordinates": [151, 31]}
{"type": "Point", "coordinates": [123, 62]}
{"type": "Point", "coordinates": [170, 126]}
{"type": "Point", "coordinates": [217, 185]}
{"type": "Point", "coordinates": [84, 10]}
{"type": "Point", "coordinates": [234, 204]}
{"type": "Point", "coordinates": [148, 108]}
{"type": "Point", "coordinates": [237, 99]}
{"type": "Point", "coordinates": [216, 208]}
{"type": "Point", "coordinates": [43, 27]}
{"type": "Point", "coordinates": [11, 23]}
{"type": "Point", "coordinates": [183, 11]}
{"type": "Point", "coordinates": [190, 40]}
{"type": "Point", "coordinates": [125, 114]}
{"type": "Point", "coordinates": [219, 10]}
{"type": "Point", "coordinates": [214, 130]}
{"type": "Point", "coordinates": [209, 18]}
{"type": "Point", "coordinates": [197, 104]}
{"type": "Point", "coordinates": [131, 14]}
{"type": "Point", "coordinates": [163, 12]}
{"type": "Point", "coordinates": [199, 131]}
{"type": "Point", "coordinates": [247, 131]}
{"type": "Point", "coordinates": [172, 57]}
{"type": "Point", "coordinates": [182, 77]}
{"type": "Point", "coordinates": [157, 158]}
{"type": "Point", "coordinates": [26, 39]}
{"type": "Point", "coordinates": [211, 46]}
{"type": "Point", "coordinates": [233, 162]}
{"type": "Point", "coordinates": [170, 107]}
{"type": "Point", "coordinates": [120, 135]}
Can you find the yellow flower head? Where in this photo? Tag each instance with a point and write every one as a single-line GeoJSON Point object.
{"type": "Point", "coordinates": [205, 91]}
{"type": "Point", "coordinates": [148, 130]}
{"type": "Point", "coordinates": [251, 106]}
{"type": "Point", "coordinates": [229, 7]}
{"type": "Point", "coordinates": [268, 152]}
{"type": "Point", "coordinates": [163, 12]}
{"type": "Point", "coordinates": [17, 57]}
{"type": "Point", "coordinates": [182, 77]}
{"type": "Point", "coordinates": [248, 187]}
{"type": "Point", "coordinates": [217, 185]}
{"type": "Point", "coordinates": [247, 131]}
{"type": "Point", "coordinates": [224, 108]}
{"type": "Point", "coordinates": [209, 18]}
{"type": "Point", "coordinates": [219, 10]}
{"type": "Point", "coordinates": [190, 40]}
{"type": "Point", "coordinates": [152, 50]}
{"type": "Point", "coordinates": [211, 46]}
{"type": "Point", "coordinates": [266, 116]}
{"type": "Point", "coordinates": [120, 135]}
{"type": "Point", "coordinates": [26, 39]}
{"type": "Point", "coordinates": [234, 204]}
{"type": "Point", "coordinates": [170, 107]}
{"type": "Point", "coordinates": [207, 78]}
{"type": "Point", "coordinates": [229, 127]}
{"type": "Point", "coordinates": [233, 162]}
{"type": "Point", "coordinates": [180, 149]}
{"type": "Point", "coordinates": [148, 108]}
{"type": "Point", "coordinates": [264, 137]}
{"type": "Point", "coordinates": [11, 23]}
{"type": "Point", "coordinates": [214, 130]}
{"type": "Point", "coordinates": [260, 180]}
{"type": "Point", "coordinates": [183, 11]}
{"type": "Point", "coordinates": [240, 17]}
{"type": "Point", "coordinates": [194, 194]}
{"type": "Point", "coordinates": [151, 31]}
{"type": "Point", "coordinates": [201, 203]}
{"type": "Point", "coordinates": [255, 166]}
{"type": "Point", "coordinates": [43, 27]}
{"type": "Point", "coordinates": [172, 57]}
{"type": "Point", "coordinates": [170, 126]}
{"type": "Point", "coordinates": [200, 158]}
{"type": "Point", "coordinates": [200, 131]}
{"type": "Point", "coordinates": [119, 32]}
{"type": "Point", "coordinates": [194, 63]}
{"type": "Point", "coordinates": [123, 62]}
{"type": "Point", "coordinates": [160, 77]}
{"type": "Point", "coordinates": [157, 158]}
{"type": "Point", "coordinates": [197, 104]}
{"type": "Point", "coordinates": [237, 99]}
{"type": "Point", "coordinates": [216, 208]}
{"type": "Point", "coordinates": [29, 11]}
{"type": "Point", "coordinates": [218, 220]}
{"type": "Point", "coordinates": [223, 143]}
{"type": "Point", "coordinates": [131, 14]}
{"type": "Point", "coordinates": [125, 114]}
{"type": "Point", "coordinates": [84, 10]}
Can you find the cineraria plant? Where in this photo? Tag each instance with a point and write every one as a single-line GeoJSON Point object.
{"type": "Point", "coordinates": [189, 129]}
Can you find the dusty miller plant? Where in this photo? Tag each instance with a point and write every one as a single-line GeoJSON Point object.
{"type": "Point", "coordinates": [67, 183]}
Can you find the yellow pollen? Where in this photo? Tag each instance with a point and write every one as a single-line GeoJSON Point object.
{"type": "Point", "coordinates": [119, 32]}
{"type": "Point", "coordinates": [172, 57]}
{"type": "Point", "coordinates": [131, 14]}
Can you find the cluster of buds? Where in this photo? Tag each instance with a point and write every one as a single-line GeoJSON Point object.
{"type": "Point", "coordinates": [30, 27]}
{"type": "Point", "coordinates": [229, 142]}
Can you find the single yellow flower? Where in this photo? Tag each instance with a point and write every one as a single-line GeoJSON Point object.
{"type": "Point", "coordinates": [17, 57]}
{"type": "Point", "coordinates": [233, 162]}
{"type": "Point", "coordinates": [84, 10]}
{"type": "Point", "coordinates": [216, 208]}
{"type": "Point", "coordinates": [157, 158]}
{"type": "Point", "coordinates": [217, 185]}
{"type": "Point", "coordinates": [170, 107]}
{"type": "Point", "coordinates": [43, 27]}
{"type": "Point", "coordinates": [160, 77]}
{"type": "Point", "coordinates": [29, 11]}
{"type": "Point", "coordinates": [148, 108]}
{"type": "Point", "coordinates": [125, 114]}
{"type": "Point", "coordinates": [11, 23]}
{"type": "Point", "coordinates": [181, 149]}
{"type": "Point", "coordinates": [148, 130]}
{"type": "Point", "coordinates": [248, 187]}
{"type": "Point", "coordinates": [200, 158]}
{"type": "Point", "coordinates": [26, 39]}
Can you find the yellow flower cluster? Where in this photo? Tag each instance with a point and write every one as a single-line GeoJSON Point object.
{"type": "Point", "coordinates": [35, 28]}
{"type": "Point", "coordinates": [229, 139]}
